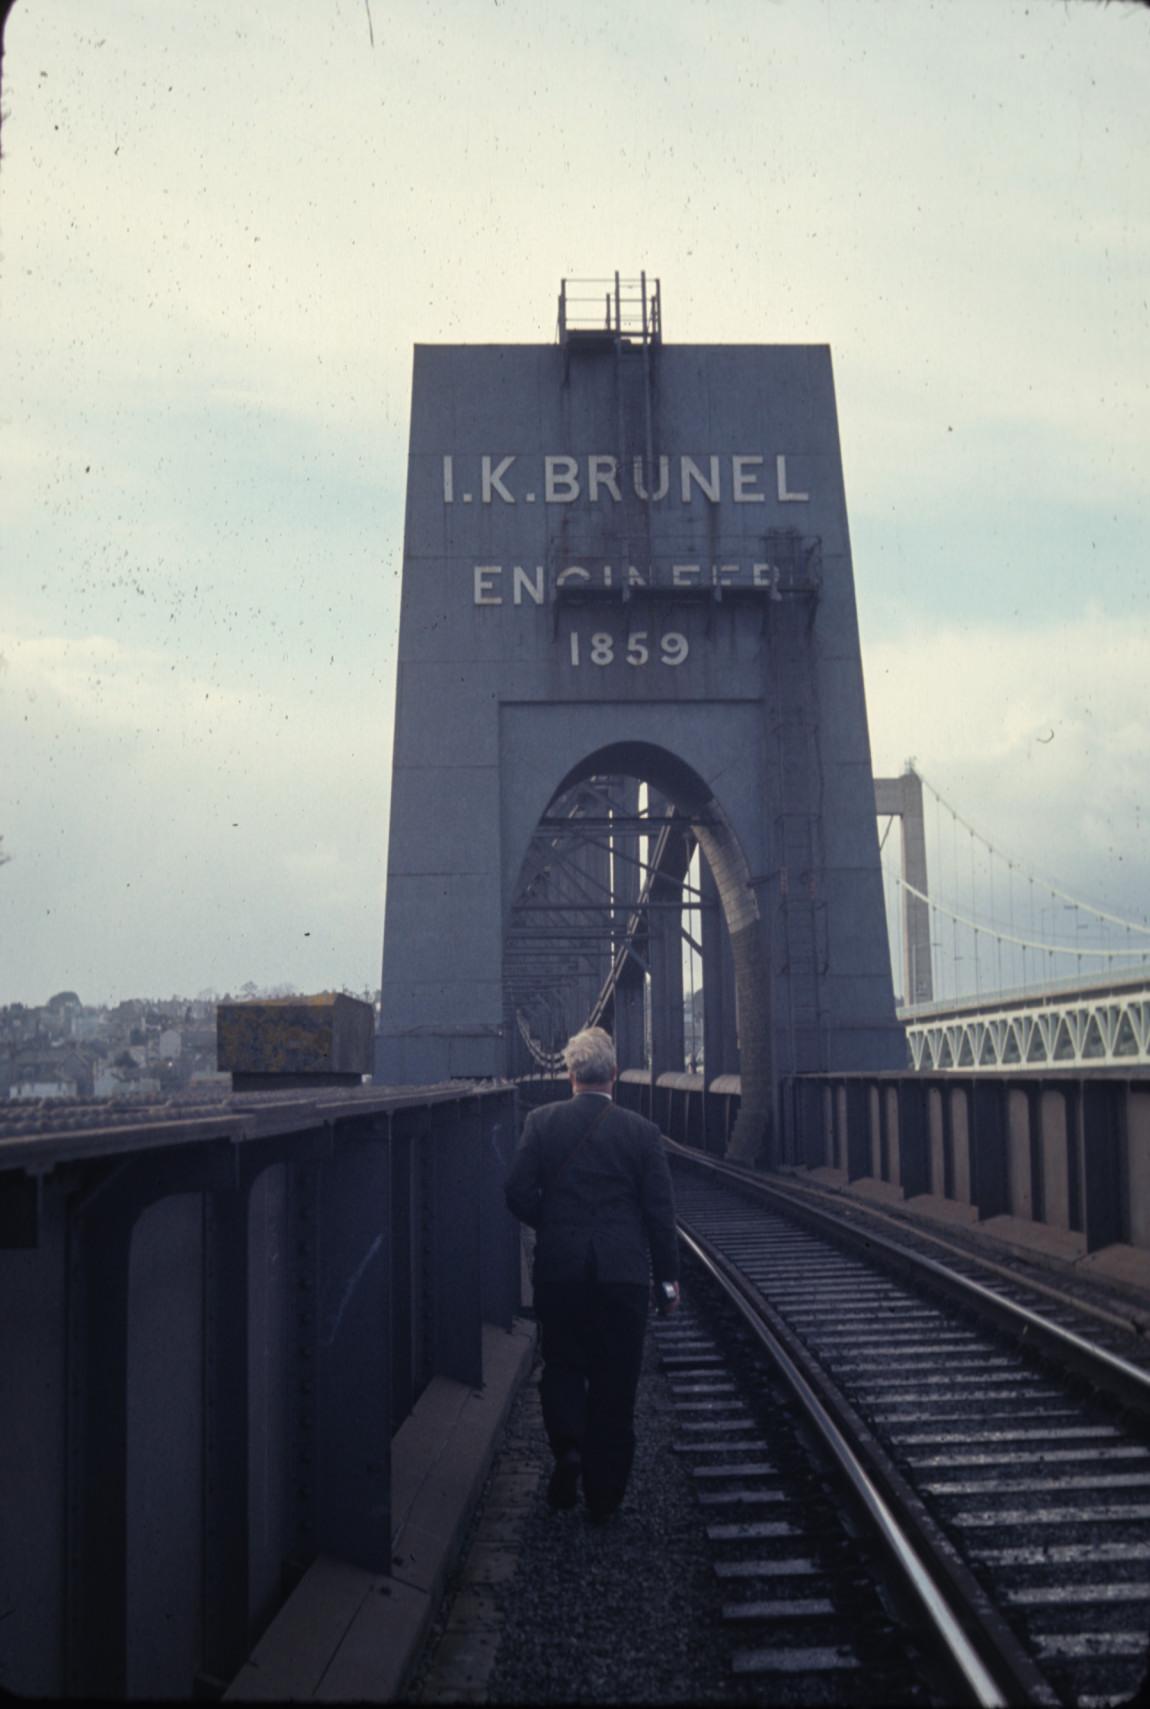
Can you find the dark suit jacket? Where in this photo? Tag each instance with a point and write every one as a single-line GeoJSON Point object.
{"type": "Point", "coordinates": [612, 1201]}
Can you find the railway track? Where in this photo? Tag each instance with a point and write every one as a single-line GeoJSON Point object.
{"type": "Point", "coordinates": [804, 1618]}
{"type": "Point", "coordinates": [992, 1458]}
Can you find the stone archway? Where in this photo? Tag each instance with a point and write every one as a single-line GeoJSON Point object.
{"type": "Point", "coordinates": [633, 556]}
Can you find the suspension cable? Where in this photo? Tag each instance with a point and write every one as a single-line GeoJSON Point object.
{"type": "Point", "coordinates": [1055, 890]}
{"type": "Point", "coordinates": [1052, 949]}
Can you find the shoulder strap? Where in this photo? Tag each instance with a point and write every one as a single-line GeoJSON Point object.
{"type": "Point", "coordinates": [584, 1134]}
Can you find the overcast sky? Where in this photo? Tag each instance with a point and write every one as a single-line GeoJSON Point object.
{"type": "Point", "coordinates": [224, 225]}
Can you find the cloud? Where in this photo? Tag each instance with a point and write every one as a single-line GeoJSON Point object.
{"type": "Point", "coordinates": [223, 232]}
{"type": "Point", "coordinates": [1039, 738]}
{"type": "Point", "coordinates": [171, 830]}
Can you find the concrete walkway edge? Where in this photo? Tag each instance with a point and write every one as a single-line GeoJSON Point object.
{"type": "Point", "coordinates": [348, 1635]}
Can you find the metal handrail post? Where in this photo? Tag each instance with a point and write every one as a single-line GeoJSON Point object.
{"type": "Point", "coordinates": [649, 482]}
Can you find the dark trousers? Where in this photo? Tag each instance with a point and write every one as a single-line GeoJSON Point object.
{"type": "Point", "coordinates": [592, 1341]}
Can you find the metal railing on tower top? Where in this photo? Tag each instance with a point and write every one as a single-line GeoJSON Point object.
{"type": "Point", "coordinates": [610, 309]}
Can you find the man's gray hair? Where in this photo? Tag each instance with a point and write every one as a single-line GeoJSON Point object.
{"type": "Point", "coordinates": [590, 1057]}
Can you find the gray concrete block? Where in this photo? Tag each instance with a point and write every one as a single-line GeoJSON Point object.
{"type": "Point", "coordinates": [376, 1651]}
{"type": "Point", "coordinates": [346, 1635]}
{"type": "Point", "coordinates": [292, 1657]}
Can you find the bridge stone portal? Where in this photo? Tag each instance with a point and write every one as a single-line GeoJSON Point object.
{"type": "Point", "coordinates": [628, 560]}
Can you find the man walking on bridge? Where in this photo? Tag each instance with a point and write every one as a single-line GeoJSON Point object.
{"type": "Point", "coordinates": [592, 1180]}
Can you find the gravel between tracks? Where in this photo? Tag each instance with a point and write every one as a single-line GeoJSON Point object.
{"type": "Point", "coordinates": [627, 1612]}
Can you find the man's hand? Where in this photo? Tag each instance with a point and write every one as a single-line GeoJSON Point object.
{"type": "Point", "coordinates": [667, 1296]}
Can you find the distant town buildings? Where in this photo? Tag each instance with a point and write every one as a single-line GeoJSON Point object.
{"type": "Point", "coordinates": [141, 1048]}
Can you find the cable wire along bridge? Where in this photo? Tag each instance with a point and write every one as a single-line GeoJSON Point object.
{"type": "Point", "coordinates": [1002, 967]}
{"type": "Point", "coordinates": [267, 1352]}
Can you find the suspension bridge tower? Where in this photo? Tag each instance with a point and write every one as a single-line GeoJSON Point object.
{"type": "Point", "coordinates": [628, 633]}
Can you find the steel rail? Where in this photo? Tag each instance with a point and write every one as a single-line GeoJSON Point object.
{"type": "Point", "coordinates": [806, 1194]}
{"type": "Point", "coordinates": [1126, 1382]}
{"type": "Point", "coordinates": [993, 1669]}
